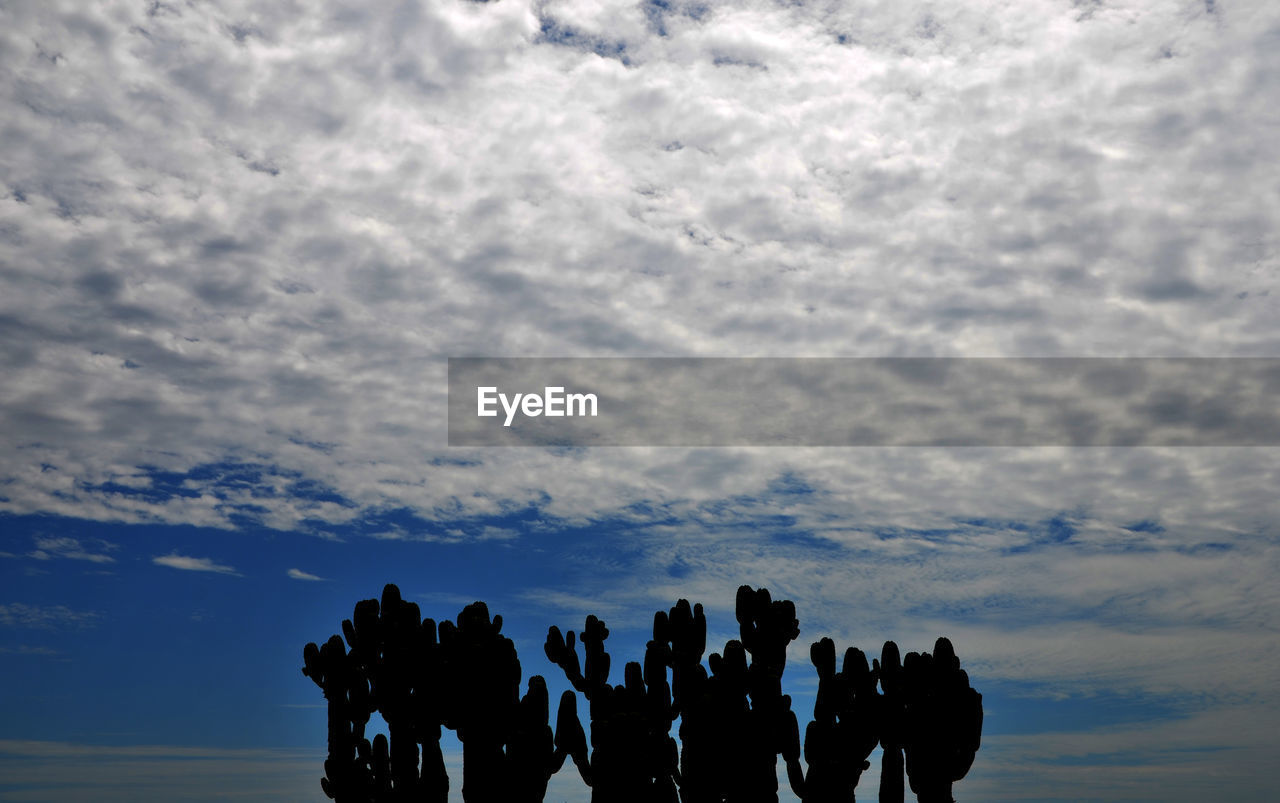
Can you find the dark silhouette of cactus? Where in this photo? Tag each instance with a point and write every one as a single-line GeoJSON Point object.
{"type": "Point", "coordinates": [766, 627]}
{"type": "Point", "coordinates": [731, 718]}
{"type": "Point", "coordinates": [532, 753]}
{"type": "Point", "coordinates": [893, 702]}
{"type": "Point", "coordinates": [481, 693]}
{"type": "Point", "coordinates": [633, 755]}
{"type": "Point", "coordinates": [348, 770]}
{"type": "Point", "coordinates": [388, 669]}
{"type": "Point", "coordinates": [846, 726]}
{"type": "Point", "coordinates": [942, 722]}
{"type": "Point", "coordinates": [420, 677]}
{"type": "Point", "coordinates": [684, 630]}
{"type": "Point", "coordinates": [734, 719]}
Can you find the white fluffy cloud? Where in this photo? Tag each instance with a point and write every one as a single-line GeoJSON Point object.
{"type": "Point", "coordinates": [230, 233]}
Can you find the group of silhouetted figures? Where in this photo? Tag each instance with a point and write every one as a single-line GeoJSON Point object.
{"type": "Point", "coordinates": [734, 719]}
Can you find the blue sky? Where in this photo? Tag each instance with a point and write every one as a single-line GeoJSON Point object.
{"type": "Point", "coordinates": [121, 644]}
{"type": "Point", "coordinates": [238, 245]}
{"type": "Point", "coordinates": [168, 637]}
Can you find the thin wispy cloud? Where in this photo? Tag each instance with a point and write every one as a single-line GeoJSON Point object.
{"type": "Point", "coordinates": [51, 547]}
{"type": "Point", "coordinates": [52, 770]}
{"type": "Point", "coordinates": [28, 649]}
{"type": "Point", "coordinates": [190, 564]}
{"type": "Point", "coordinates": [45, 617]}
{"type": "Point", "coordinates": [298, 574]}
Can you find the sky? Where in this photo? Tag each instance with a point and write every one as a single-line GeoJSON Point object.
{"type": "Point", "coordinates": [239, 242]}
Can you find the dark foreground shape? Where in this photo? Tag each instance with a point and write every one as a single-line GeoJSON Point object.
{"type": "Point", "coordinates": [734, 719]}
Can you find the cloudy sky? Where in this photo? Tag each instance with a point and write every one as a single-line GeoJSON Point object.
{"type": "Point", "coordinates": [239, 241]}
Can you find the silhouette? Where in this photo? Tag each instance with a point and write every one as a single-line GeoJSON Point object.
{"type": "Point", "coordinates": [942, 726]}
{"type": "Point", "coordinates": [844, 730]}
{"type": "Point", "coordinates": [467, 680]}
{"type": "Point", "coordinates": [893, 715]}
{"type": "Point", "coordinates": [633, 755]}
{"type": "Point", "coordinates": [734, 719]}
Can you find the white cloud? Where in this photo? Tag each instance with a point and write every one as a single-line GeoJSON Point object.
{"type": "Point", "coordinates": [176, 561]}
{"type": "Point", "coordinates": [27, 649]}
{"type": "Point", "coordinates": [45, 617]}
{"type": "Point", "coordinates": [1182, 759]}
{"type": "Point", "coordinates": [298, 574]}
{"type": "Point", "coordinates": [50, 547]}
{"type": "Point", "coordinates": [271, 231]}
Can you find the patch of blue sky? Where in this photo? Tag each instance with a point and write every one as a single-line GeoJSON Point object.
{"type": "Point", "coordinates": [319, 446]}
{"type": "Point", "coordinates": [1205, 547]}
{"type": "Point", "coordinates": [804, 539]}
{"type": "Point", "coordinates": [162, 489]}
{"type": "Point", "coordinates": [1021, 707]}
{"type": "Point", "coordinates": [1145, 526]}
{"type": "Point", "coordinates": [174, 656]}
{"type": "Point", "coordinates": [1130, 758]}
{"type": "Point", "coordinates": [985, 523]}
{"type": "Point", "coordinates": [460, 462]}
{"type": "Point", "coordinates": [1059, 529]}
{"type": "Point", "coordinates": [651, 512]}
{"type": "Point", "coordinates": [189, 657]}
{"type": "Point", "coordinates": [552, 31]}
{"type": "Point", "coordinates": [219, 479]}
{"type": "Point", "coordinates": [791, 486]}
{"type": "Point", "coordinates": [733, 514]}
{"type": "Point", "coordinates": [655, 13]}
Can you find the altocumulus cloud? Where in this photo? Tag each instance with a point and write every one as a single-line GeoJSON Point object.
{"type": "Point", "coordinates": [258, 233]}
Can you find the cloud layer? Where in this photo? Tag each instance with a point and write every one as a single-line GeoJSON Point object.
{"type": "Point", "coordinates": [238, 234]}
